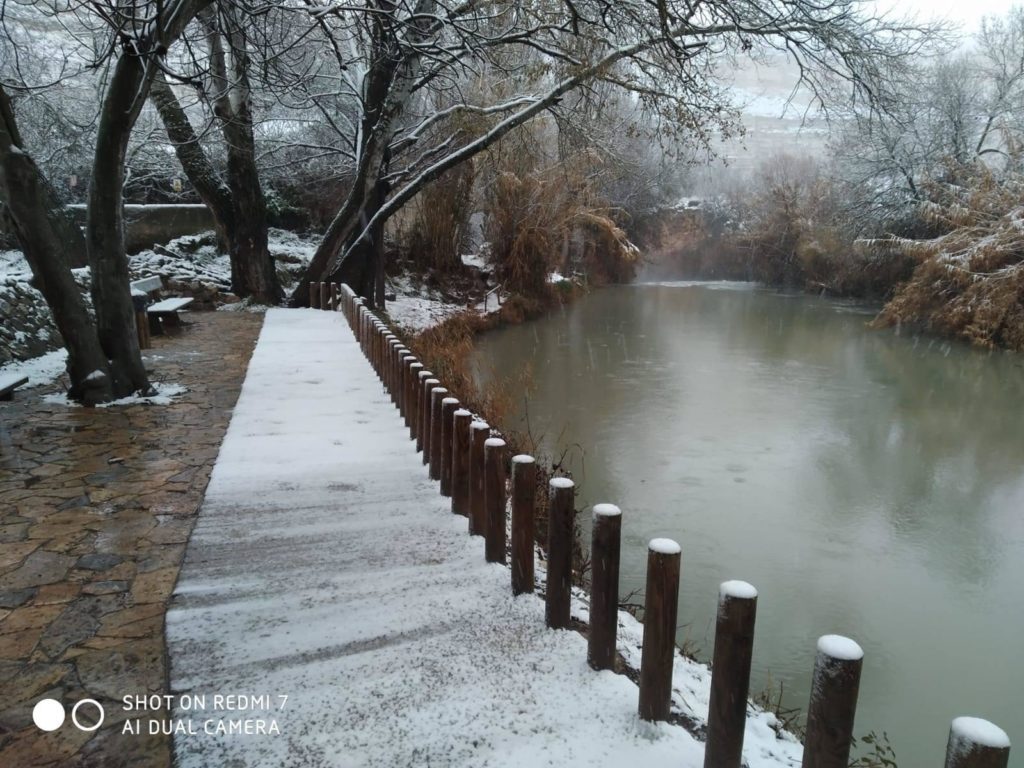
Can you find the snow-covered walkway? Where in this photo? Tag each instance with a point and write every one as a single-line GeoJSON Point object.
{"type": "Point", "coordinates": [326, 568]}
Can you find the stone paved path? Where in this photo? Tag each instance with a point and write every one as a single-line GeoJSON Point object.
{"type": "Point", "coordinates": [90, 548]}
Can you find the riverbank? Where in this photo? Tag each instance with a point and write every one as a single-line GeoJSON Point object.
{"type": "Point", "coordinates": [966, 284]}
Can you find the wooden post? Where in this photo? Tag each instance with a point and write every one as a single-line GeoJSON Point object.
{"type": "Point", "coordinates": [448, 407]}
{"type": "Point", "coordinates": [460, 462]}
{"type": "Point", "coordinates": [323, 296]}
{"type": "Point", "coordinates": [524, 497]}
{"type": "Point", "coordinates": [385, 363]}
{"type": "Point", "coordinates": [378, 349]}
{"type": "Point", "coordinates": [427, 381]}
{"type": "Point", "coordinates": [561, 497]}
{"type": "Point", "coordinates": [661, 607]}
{"type": "Point", "coordinates": [392, 354]}
{"type": "Point", "coordinates": [977, 743]}
{"type": "Point", "coordinates": [402, 387]}
{"type": "Point", "coordinates": [730, 674]}
{"type": "Point", "coordinates": [494, 499]}
{"type": "Point", "coordinates": [334, 297]}
{"type": "Point", "coordinates": [833, 703]}
{"type": "Point", "coordinates": [409, 390]}
{"type": "Point", "coordinates": [314, 296]}
{"type": "Point", "coordinates": [423, 441]}
{"type": "Point", "coordinates": [389, 366]}
{"type": "Point", "coordinates": [421, 424]}
{"type": "Point", "coordinates": [479, 431]}
{"type": "Point", "coordinates": [436, 396]}
{"type": "Point", "coordinates": [604, 585]}
{"type": "Point", "coordinates": [415, 383]}
{"type": "Point", "coordinates": [142, 329]}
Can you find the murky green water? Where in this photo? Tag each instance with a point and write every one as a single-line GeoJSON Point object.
{"type": "Point", "coordinates": [868, 484]}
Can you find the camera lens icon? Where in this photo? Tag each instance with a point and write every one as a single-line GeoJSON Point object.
{"type": "Point", "coordinates": [49, 715]}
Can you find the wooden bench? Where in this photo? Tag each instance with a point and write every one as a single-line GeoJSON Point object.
{"type": "Point", "coordinates": [9, 383]}
{"type": "Point", "coordinates": [158, 316]}
{"type": "Point", "coordinates": [164, 314]}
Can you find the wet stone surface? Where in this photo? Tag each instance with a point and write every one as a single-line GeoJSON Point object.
{"type": "Point", "coordinates": [96, 507]}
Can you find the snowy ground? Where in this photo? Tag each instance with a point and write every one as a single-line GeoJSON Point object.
{"type": "Point", "coordinates": [325, 568]}
{"type": "Point", "coordinates": [416, 308]}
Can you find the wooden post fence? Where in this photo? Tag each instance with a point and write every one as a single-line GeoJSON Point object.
{"type": "Point", "coordinates": [833, 704]}
{"type": "Point", "coordinates": [561, 498]}
{"type": "Point", "coordinates": [421, 381]}
{"type": "Point", "coordinates": [730, 674]}
{"type": "Point", "coordinates": [524, 501]}
{"type": "Point", "coordinates": [494, 499]}
{"type": "Point", "coordinates": [661, 606]}
{"type": "Point", "coordinates": [314, 296]}
{"type": "Point", "coordinates": [604, 585]}
{"type": "Point", "coordinates": [479, 432]}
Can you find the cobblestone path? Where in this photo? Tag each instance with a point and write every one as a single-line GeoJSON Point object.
{"type": "Point", "coordinates": [96, 507]}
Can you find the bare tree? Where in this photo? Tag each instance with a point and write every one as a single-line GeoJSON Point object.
{"type": "Point", "coordinates": [222, 78]}
{"type": "Point", "coordinates": [50, 241]}
{"type": "Point", "coordinates": [132, 38]}
{"type": "Point", "coordinates": [392, 53]}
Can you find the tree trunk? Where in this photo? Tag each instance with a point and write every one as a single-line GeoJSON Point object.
{"type": "Point", "coordinates": [111, 293]}
{"type": "Point", "coordinates": [49, 240]}
{"type": "Point", "coordinates": [252, 267]}
{"type": "Point", "coordinates": [238, 207]}
{"type": "Point", "coordinates": [197, 166]}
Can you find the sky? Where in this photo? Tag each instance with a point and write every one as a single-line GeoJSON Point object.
{"type": "Point", "coordinates": [967, 13]}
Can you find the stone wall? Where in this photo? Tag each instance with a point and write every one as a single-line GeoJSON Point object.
{"type": "Point", "coordinates": [146, 225]}
{"type": "Point", "coordinates": [26, 326]}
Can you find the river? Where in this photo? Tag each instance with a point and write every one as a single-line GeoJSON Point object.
{"type": "Point", "coordinates": [868, 483]}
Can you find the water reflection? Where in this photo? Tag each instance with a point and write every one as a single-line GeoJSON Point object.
{"type": "Point", "coordinates": [866, 482]}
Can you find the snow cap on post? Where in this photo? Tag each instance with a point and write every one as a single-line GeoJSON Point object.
{"type": "Point", "coordinates": [606, 510]}
{"type": "Point", "coordinates": [977, 743]}
{"type": "Point", "coordinates": [494, 442]}
{"type": "Point", "coordinates": [740, 590]}
{"type": "Point", "coordinates": [523, 458]}
{"type": "Point", "coordinates": [664, 547]}
{"type": "Point", "coordinates": [561, 482]}
{"type": "Point", "coordinates": [983, 733]}
{"type": "Point", "coordinates": [839, 647]}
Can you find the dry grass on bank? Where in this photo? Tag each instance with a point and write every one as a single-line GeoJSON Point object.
{"type": "Point", "coordinates": [969, 283]}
